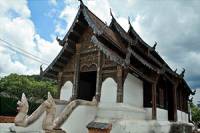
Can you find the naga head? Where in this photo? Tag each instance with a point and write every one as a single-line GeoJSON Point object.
{"type": "Point", "coordinates": [23, 104]}
{"type": "Point", "coordinates": [50, 101]}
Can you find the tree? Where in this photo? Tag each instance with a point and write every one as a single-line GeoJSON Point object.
{"type": "Point", "coordinates": [195, 114]}
{"type": "Point", "coordinates": [34, 86]}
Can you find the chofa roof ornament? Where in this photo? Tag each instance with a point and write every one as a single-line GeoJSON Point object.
{"type": "Point", "coordinates": [182, 73]}
{"type": "Point", "coordinates": [41, 70]}
{"type": "Point", "coordinates": [61, 42]}
{"type": "Point", "coordinates": [129, 21]}
{"type": "Point", "coordinates": [111, 13]}
{"type": "Point", "coordinates": [154, 46]}
{"type": "Point", "coordinates": [81, 2]}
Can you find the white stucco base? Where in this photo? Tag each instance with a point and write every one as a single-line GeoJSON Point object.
{"type": "Point", "coordinates": [139, 126]}
{"type": "Point", "coordinates": [123, 117]}
{"type": "Point", "coordinates": [148, 114]}
{"type": "Point", "coordinates": [182, 116]}
{"type": "Point", "coordinates": [66, 91]}
{"type": "Point", "coordinates": [119, 111]}
{"type": "Point", "coordinates": [133, 91]}
{"type": "Point", "coordinates": [108, 91]}
{"type": "Point", "coordinates": [4, 127]}
{"type": "Point", "coordinates": [162, 114]}
{"type": "Point", "coordinates": [79, 119]}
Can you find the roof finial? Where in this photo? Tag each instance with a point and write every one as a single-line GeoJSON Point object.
{"type": "Point", "coordinates": [81, 2]}
{"type": "Point", "coordinates": [111, 13]}
{"type": "Point", "coordinates": [41, 70]}
{"type": "Point", "coordinates": [155, 44]}
{"type": "Point", "coordinates": [60, 42]}
{"type": "Point", "coordinates": [58, 39]}
{"type": "Point", "coordinates": [129, 22]}
{"type": "Point", "coordinates": [183, 72]}
{"type": "Point", "coordinates": [194, 92]}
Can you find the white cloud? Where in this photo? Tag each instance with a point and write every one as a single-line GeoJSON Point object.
{"type": "Point", "coordinates": [174, 25]}
{"type": "Point", "coordinates": [164, 22]}
{"type": "Point", "coordinates": [53, 2]}
{"type": "Point", "coordinates": [19, 7]}
{"type": "Point", "coordinates": [17, 28]}
{"type": "Point", "coordinates": [69, 12]}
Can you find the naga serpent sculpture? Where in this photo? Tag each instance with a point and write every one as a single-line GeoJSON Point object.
{"type": "Point", "coordinates": [23, 120]}
{"type": "Point", "coordinates": [50, 122]}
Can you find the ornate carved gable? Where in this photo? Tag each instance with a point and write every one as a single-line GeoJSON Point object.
{"type": "Point", "coordinates": [85, 41]}
{"type": "Point", "coordinates": [88, 59]}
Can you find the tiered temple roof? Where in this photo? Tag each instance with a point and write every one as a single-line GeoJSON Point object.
{"type": "Point", "coordinates": [118, 45]}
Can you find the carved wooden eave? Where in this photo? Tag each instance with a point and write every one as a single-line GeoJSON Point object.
{"type": "Point", "coordinates": [51, 71]}
{"type": "Point", "coordinates": [115, 26]}
{"type": "Point", "coordinates": [160, 61]}
{"type": "Point", "coordinates": [123, 34]}
{"type": "Point", "coordinates": [132, 32]}
{"type": "Point", "coordinates": [143, 61]}
{"type": "Point", "coordinates": [119, 60]}
{"type": "Point", "coordinates": [152, 52]}
{"type": "Point", "coordinates": [187, 87]}
{"type": "Point", "coordinates": [110, 54]}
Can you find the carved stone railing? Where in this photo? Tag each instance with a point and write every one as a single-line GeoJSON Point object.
{"type": "Point", "coordinates": [50, 121]}
{"type": "Point", "coordinates": [69, 109]}
{"type": "Point", "coordinates": [22, 119]}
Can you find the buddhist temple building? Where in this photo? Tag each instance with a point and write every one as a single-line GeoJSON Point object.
{"type": "Point", "coordinates": [128, 78]}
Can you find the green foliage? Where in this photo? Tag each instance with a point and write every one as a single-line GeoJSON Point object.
{"type": "Point", "coordinates": [195, 113]}
{"type": "Point", "coordinates": [8, 106]}
{"type": "Point", "coordinates": [35, 87]}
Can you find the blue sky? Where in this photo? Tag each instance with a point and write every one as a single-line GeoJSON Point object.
{"type": "Point", "coordinates": [44, 16]}
{"type": "Point", "coordinates": [34, 24]}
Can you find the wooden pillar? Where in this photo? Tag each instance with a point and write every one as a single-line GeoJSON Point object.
{"type": "Point", "coordinates": [59, 83]}
{"type": "Point", "coordinates": [119, 84]}
{"type": "Point", "coordinates": [154, 100]}
{"type": "Point", "coordinates": [175, 100]}
{"type": "Point", "coordinates": [76, 72]}
{"type": "Point", "coordinates": [99, 76]}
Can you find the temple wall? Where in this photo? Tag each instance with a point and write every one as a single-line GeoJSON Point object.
{"type": "Point", "coordinates": [133, 91]}
{"type": "Point", "coordinates": [148, 113]}
{"type": "Point", "coordinates": [162, 114]}
{"type": "Point", "coordinates": [66, 91]}
{"type": "Point", "coordinates": [119, 111]}
{"type": "Point", "coordinates": [182, 116]}
{"type": "Point", "coordinates": [108, 91]}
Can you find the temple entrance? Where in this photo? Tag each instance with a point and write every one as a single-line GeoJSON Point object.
{"type": "Point", "coordinates": [87, 85]}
